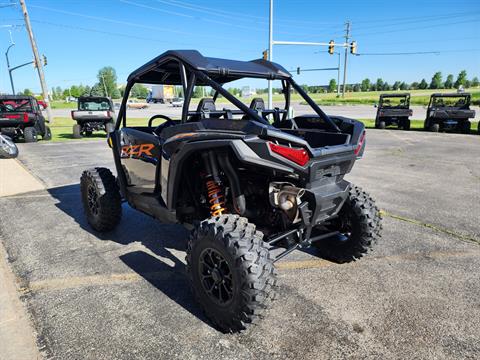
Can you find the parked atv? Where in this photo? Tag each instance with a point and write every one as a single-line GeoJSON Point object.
{"type": "Point", "coordinates": [20, 116]}
{"type": "Point", "coordinates": [393, 109]}
{"type": "Point", "coordinates": [253, 191]}
{"type": "Point", "coordinates": [94, 113]}
{"type": "Point", "coordinates": [449, 112]}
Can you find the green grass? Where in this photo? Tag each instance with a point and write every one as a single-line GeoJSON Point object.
{"type": "Point", "coordinates": [60, 104]}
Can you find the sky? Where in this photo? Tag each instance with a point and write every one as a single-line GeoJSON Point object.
{"type": "Point", "coordinates": [79, 37]}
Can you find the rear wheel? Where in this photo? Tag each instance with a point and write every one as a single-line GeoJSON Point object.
{"type": "Point", "coordinates": [101, 198]}
{"type": "Point", "coordinates": [382, 125]}
{"type": "Point", "coordinates": [77, 131]}
{"type": "Point", "coordinates": [434, 127]}
{"type": "Point", "coordinates": [230, 271]}
{"type": "Point", "coordinates": [47, 135]}
{"type": "Point", "coordinates": [406, 124]}
{"type": "Point", "coordinates": [30, 134]}
{"type": "Point", "coordinates": [88, 132]}
{"type": "Point", "coordinates": [359, 222]}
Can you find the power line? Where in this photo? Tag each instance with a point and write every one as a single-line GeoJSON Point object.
{"type": "Point", "coordinates": [120, 22]}
{"type": "Point", "coordinates": [437, 52]}
{"type": "Point", "coordinates": [416, 28]}
{"type": "Point", "coordinates": [123, 35]}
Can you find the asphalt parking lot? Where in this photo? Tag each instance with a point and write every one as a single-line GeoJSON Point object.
{"type": "Point", "coordinates": [124, 294]}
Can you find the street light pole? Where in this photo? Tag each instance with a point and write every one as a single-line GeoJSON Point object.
{"type": "Point", "coordinates": [270, 54]}
{"type": "Point", "coordinates": [8, 67]}
{"type": "Point", "coordinates": [338, 75]}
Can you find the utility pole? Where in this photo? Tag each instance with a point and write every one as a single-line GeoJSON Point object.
{"type": "Point", "coordinates": [270, 54]}
{"type": "Point", "coordinates": [338, 75]}
{"type": "Point", "coordinates": [37, 61]}
{"type": "Point", "coordinates": [347, 37]}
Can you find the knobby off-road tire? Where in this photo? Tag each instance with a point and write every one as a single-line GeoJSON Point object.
{"type": "Point", "coordinates": [434, 127]}
{"type": "Point", "coordinates": [77, 131]}
{"type": "Point", "coordinates": [382, 125]}
{"type": "Point", "coordinates": [360, 222]}
{"type": "Point", "coordinates": [230, 270]}
{"type": "Point", "coordinates": [406, 125]}
{"type": "Point", "coordinates": [101, 198]}
{"type": "Point", "coordinates": [30, 134]}
{"type": "Point", "coordinates": [466, 126]}
{"type": "Point", "coordinates": [47, 135]}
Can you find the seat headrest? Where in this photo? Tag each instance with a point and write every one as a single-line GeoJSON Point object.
{"type": "Point", "coordinates": [206, 105]}
{"type": "Point", "coordinates": [257, 104]}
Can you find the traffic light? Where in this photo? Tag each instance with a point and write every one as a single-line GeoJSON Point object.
{"type": "Point", "coordinates": [265, 54]}
{"type": "Point", "coordinates": [298, 71]}
{"type": "Point", "coordinates": [353, 47]}
{"type": "Point", "coordinates": [331, 47]}
{"type": "Point", "coordinates": [44, 60]}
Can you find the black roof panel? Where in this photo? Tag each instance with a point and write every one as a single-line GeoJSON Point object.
{"type": "Point", "coordinates": [165, 68]}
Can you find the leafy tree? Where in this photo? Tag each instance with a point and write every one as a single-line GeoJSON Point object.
{"type": "Point", "coordinates": [449, 82]}
{"type": "Point", "coordinates": [475, 82]}
{"type": "Point", "coordinates": [379, 84]}
{"type": "Point", "coordinates": [138, 91]}
{"type": "Point", "coordinates": [404, 86]}
{"type": "Point", "coordinates": [436, 82]}
{"type": "Point", "coordinates": [357, 88]}
{"type": "Point", "coordinates": [86, 90]}
{"type": "Point", "coordinates": [107, 80]}
{"type": "Point", "coordinates": [26, 92]}
{"type": "Point", "coordinates": [423, 84]}
{"type": "Point", "coordinates": [386, 86]}
{"type": "Point", "coordinates": [396, 85]}
{"type": "Point", "coordinates": [365, 85]}
{"type": "Point", "coordinates": [75, 91]}
{"type": "Point", "coordinates": [461, 79]}
{"type": "Point", "coordinates": [467, 84]}
{"type": "Point", "coordinates": [198, 92]}
{"type": "Point", "coordinates": [332, 85]}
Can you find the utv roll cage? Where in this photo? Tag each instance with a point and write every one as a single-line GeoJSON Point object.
{"type": "Point", "coordinates": [189, 68]}
{"type": "Point", "coordinates": [466, 96]}
{"type": "Point", "coordinates": [402, 95]}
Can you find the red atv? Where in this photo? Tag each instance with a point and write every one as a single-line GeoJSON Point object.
{"type": "Point", "coordinates": [20, 116]}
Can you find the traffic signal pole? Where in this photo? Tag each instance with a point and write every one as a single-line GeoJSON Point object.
{"type": "Point", "coordinates": [331, 45]}
{"type": "Point", "coordinates": [36, 60]}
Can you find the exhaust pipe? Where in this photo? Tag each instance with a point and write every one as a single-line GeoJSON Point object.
{"type": "Point", "coordinates": [286, 197]}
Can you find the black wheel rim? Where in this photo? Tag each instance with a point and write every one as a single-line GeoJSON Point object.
{"type": "Point", "coordinates": [216, 276]}
{"type": "Point", "coordinates": [92, 197]}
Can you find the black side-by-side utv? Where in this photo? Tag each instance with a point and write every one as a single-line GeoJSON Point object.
{"type": "Point", "coordinates": [449, 112]}
{"type": "Point", "coordinates": [393, 109]}
{"type": "Point", "coordinates": [253, 183]}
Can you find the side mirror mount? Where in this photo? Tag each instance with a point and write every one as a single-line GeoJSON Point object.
{"type": "Point", "coordinates": [8, 149]}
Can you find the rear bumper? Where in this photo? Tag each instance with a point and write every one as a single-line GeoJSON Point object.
{"type": "Point", "coordinates": [325, 201]}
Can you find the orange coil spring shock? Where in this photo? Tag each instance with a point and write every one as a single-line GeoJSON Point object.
{"type": "Point", "coordinates": [216, 198]}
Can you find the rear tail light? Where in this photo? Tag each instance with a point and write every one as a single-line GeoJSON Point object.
{"type": "Point", "coordinates": [360, 143]}
{"type": "Point", "coordinates": [297, 155]}
{"type": "Point", "coordinates": [25, 117]}
{"type": "Point", "coordinates": [12, 116]}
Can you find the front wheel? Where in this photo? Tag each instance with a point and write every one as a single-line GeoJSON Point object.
{"type": "Point", "coordinates": [359, 223]}
{"type": "Point", "coordinates": [435, 127]}
{"type": "Point", "coordinates": [30, 134]}
{"type": "Point", "coordinates": [101, 198]}
{"type": "Point", "coordinates": [230, 271]}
